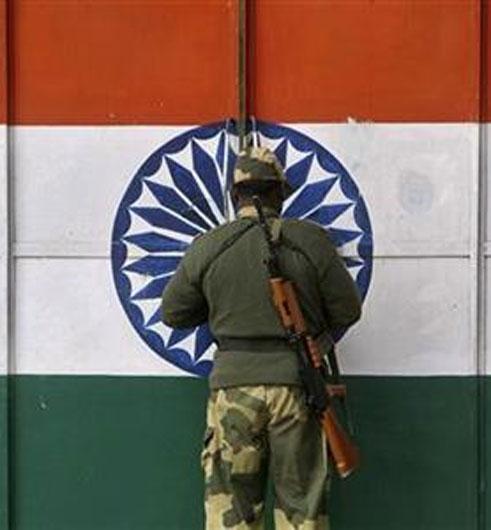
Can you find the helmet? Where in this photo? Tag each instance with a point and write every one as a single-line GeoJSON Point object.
{"type": "Point", "coordinates": [260, 164]}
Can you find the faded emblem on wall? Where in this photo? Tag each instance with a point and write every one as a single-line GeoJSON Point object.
{"type": "Point", "coordinates": [181, 191]}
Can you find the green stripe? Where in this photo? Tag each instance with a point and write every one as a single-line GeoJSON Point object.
{"type": "Point", "coordinates": [97, 452]}
{"type": "Point", "coordinates": [4, 460]}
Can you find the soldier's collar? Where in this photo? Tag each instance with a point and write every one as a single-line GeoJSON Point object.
{"type": "Point", "coordinates": [250, 211]}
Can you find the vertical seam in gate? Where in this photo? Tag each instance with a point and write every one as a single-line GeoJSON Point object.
{"type": "Point", "coordinates": [242, 73]}
{"type": "Point", "coordinates": [6, 257]}
{"type": "Point", "coordinates": [10, 100]}
{"type": "Point", "coordinates": [478, 265]}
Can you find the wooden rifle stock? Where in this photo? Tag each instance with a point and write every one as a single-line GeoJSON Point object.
{"type": "Point", "coordinates": [320, 396]}
{"type": "Point", "coordinates": [345, 454]}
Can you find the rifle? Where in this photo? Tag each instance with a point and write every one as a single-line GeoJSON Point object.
{"type": "Point", "coordinates": [320, 395]}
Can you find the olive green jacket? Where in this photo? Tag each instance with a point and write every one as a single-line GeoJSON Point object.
{"type": "Point", "coordinates": [222, 280]}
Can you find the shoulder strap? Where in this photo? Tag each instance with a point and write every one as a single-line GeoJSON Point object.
{"type": "Point", "coordinates": [276, 230]}
{"type": "Point", "coordinates": [225, 246]}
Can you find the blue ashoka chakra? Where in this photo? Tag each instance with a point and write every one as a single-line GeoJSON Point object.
{"type": "Point", "coordinates": [181, 190]}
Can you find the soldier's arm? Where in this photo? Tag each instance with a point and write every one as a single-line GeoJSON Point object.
{"type": "Point", "coordinates": [341, 299]}
{"type": "Point", "coordinates": [183, 303]}
{"type": "Point", "coordinates": [341, 302]}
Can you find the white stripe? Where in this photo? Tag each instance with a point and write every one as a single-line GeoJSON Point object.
{"type": "Point", "coordinates": [70, 322]}
{"type": "Point", "coordinates": [415, 178]}
{"type": "Point", "coordinates": [415, 321]}
{"type": "Point", "coordinates": [4, 253]}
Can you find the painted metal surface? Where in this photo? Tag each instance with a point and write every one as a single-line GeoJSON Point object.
{"type": "Point", "coordinates": [424, 172]}
{"type": "Point", "coordinates": [89, 442]}
{"type": "Point", "coordinates": [403, 61]}
{"type": "Point", "coordinates": [6, 328]}
{"type": "Point", "coordinates": [77, 72]}
{"type": "Point", "coordinates": [4, 251]}
{"type": "Point", "coordinates": [5, 228]}
{"type": "Point", "coordinates": [419, 176]}
{"type": "Point", "coordinates": [119, 62]}
{"type": "Point", "coordinates": [91, 334]}
{"type": "Point", "coordinates": [6, 279]}
{"type": "Point", "coordinates": [420, 250]}
{"type": "Point", "coordinates": [428, 332]}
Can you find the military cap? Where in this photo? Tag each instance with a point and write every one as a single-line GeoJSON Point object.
{"type": "Point", "coordinates": [260, 164]}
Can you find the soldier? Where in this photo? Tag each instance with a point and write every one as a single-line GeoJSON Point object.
{"type": "Point", "coordinates": [257, 419]}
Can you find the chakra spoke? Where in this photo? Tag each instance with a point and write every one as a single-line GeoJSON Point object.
{"type": "Point", "coordinates": [171, 200]}
{"type": "Point", "coordinates": [204, 339]}
{"type": "Point", "coordinates": [152, 242]}
{"type": "Point", "coordinates": [341, 237]}
{"type": "Point", "coordinates": [162, 219]}
{"type": "Point", "coordinates": [309, 198]}
{"type": "Point", "coordinates": [298, 173]}
{"type": "Point", "coordinates": [325, 215]}
{"type": "Point", "coordinates": [154, 265]}
{"type": "Point", "coordinates": [206, 170]}
{"type": "Point", "coordinates": [280, 152]}
{"type": "Point", "coordinates": [186, 183]}
{"type": "Point", "coordinates": [179, 335]}
{"type": "Point", "coordinates": [153, 290]}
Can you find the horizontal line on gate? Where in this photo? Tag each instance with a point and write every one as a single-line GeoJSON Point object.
{"type": "Point", "coordinates": [96, 250]}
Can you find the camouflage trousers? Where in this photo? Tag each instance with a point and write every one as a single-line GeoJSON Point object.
{"type": "Point", "coordinates": [253, 432]}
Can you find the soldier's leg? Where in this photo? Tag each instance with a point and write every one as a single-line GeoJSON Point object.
{"type": "Point", "coordinates": [298, 461]}
{"type": "Point", "coordinates": [234, 459]}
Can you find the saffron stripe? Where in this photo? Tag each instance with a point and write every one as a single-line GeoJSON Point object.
{"type": "Point", "coordinates": [169, 62]}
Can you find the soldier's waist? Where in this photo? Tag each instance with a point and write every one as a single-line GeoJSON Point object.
{"type": "Point", "coordinates": [240, 368]}
{"type": "Point", "coordinates": [273, 344]}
